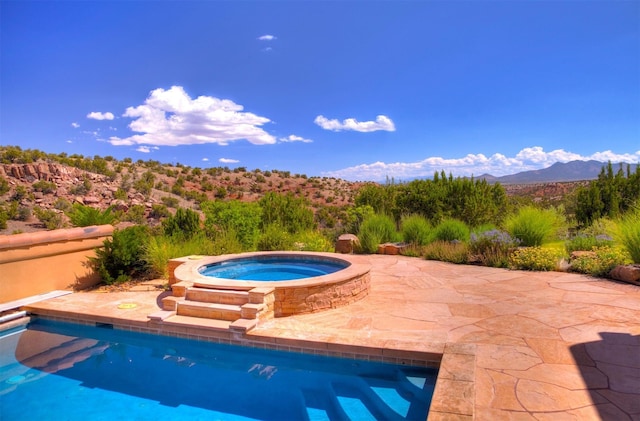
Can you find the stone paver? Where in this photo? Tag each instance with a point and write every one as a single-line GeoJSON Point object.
{"type": "Point", "coordinates": [541, 345]}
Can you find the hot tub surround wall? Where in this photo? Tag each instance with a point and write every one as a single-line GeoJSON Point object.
{"type": "Point", "coordinates": [291, 297]}
{"type": "Point", "coordinates": [35, 263]}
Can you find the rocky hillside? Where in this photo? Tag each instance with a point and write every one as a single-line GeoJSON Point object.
{"type": "Point", "coordinates": [123, 185]}
{"type": "Point", "coordinates": [35, 180]}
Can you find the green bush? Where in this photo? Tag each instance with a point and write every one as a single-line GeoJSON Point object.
{"type": "Point", "coordinates": [226, 242]}
{"type": "Point", "coordinates": [135, 214]}
{"type": "Point", "coordinates": [123, 256]}
{"type": "Point", "coordinates": [601, 262]}
{"type": "Point", "coordinates": [159, 249]}
{"type": "Point", "coordinates": [159, 211]}
{"type": "Point", "coordinates": [583, 242]}
{"type": "Point", "coordinates": [492, 248]}
{"type": "Point", "coordinates": [85, 216]}
{"type": "Point", "coordinates": [289, 212]}
{"type": "Point", "coordinates": [312, 241]}
{"type": "Point", "coordinates": [4, 186]}
{"type": "Point", "coordinates": [63, 204]}
{"type": "Point", "coordinates": [275, 238]}
{"type": "Point", "coordinates": [416, 230]}
{"type": "Point", "coordinates": [170, 201]}
{"type": "Point", "coordinates": [447, 251]}
{"type": "Point", "coordinates": [533, 226]}
{"type": "Point", "coordinates": [375, 230]}
{"type": "Point", "coordinates": [534, 258]}
{"type": "Point", "coordinates": [451, 230]}
{"type": "Point", "coordinates": [3, 219]}
{"type": "Point", "coordinates": [51, 219]}
{"type": "Point", "coordinates": [628, 233]}
{"type": "Point", "coordinates": [185, 224]}
{"type": "Point", "coordinates": [24, 213]}
{"type": "Point", "coordinates": [43, 186]}
{"type": "Point", "coordinates": [242, 219]}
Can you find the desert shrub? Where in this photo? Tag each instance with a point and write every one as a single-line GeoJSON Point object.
{"type": "Point", "coordinates": [185, 224]}
{"type": "Point", "coordinates": [4, 186]}
{"type": "Point", "coordinates": [3, 219]}
{"type": "Point", "coordinates": [63, 204]}
{"type": "Point", "coordinates": [583, 242]}
{"type": "Point", "coordinates": [43, 186]}
{"type": "Point", "coordinates": [447, 251]}
{"type": "Point", "coordinates": [24, 213]}
{"type": "Point", "coordinates": [159, 211]}
{"type": "Point", "coordinates": [289, 212]}
{"type": "Point", "coordinates": [226, 242]}
{"type": "Point", "coordinates": [534, 258]}
{"type": "Point", "coordinates": [492, 248]}
{"type": "Point", "coordinates": [120, 194]}
{"type": "Point", "coordinates": [451, 230]}
{"type": "Point", "coordinates": [159, 249]}
{"type": "Point", "coordinates": [413, 250]}
{"type": "Point", "coordinates": [416, 230]}
{"type": "Point", "coordinates": [600, 262]}
{"type": "Point", "coordinates": [375, 230]}
{"type": "Point", "coordinates": [85, 216]}
{"type": "Point", "coordinates": [170, 201]}
{"type": "Point", "coordinates": [81, 189]}
{"type": "Point", "coordinates": [243, 219]}
{"type": "Point", "coordinates": [12, 210]}
{"type": "Point", "coordinates": [135, 214]}
{"type": "Point", "coordinates": [19, 193]}
{"type": "Point", "coordinates": [355, 215]}
{"type": "Point", "coordinates": [275, 238]}
{"type": "Point", "coordinates": [123, 256]}
{"type": "Point", "coordinates": [50, 218]}
{"type": "Point", "coordinates": [627, 232]}
{"type": "Point", "coordinates": [533, 226]}
{"type": "Point", "coordinates": [312, 241]}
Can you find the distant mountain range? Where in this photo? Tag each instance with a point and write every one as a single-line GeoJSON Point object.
{"type": "Point", "coordinates": [558, 172]}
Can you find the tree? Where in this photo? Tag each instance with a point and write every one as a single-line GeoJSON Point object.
{"type": "Point", "coordinates": [289, 212]}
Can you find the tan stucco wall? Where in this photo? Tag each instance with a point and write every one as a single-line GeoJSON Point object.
{"type": "Point", "coordinates": [36, 263]}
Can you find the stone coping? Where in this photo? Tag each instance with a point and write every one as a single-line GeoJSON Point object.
{"type": "Point", "coordinates": [55, 236]}
{"type": "Point", "coordinates": [189, 270]}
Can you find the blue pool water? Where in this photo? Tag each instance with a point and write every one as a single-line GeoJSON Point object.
{"type": "Point", "coordinates": [270, 268]}
{"type": "Point", "coordinates": [63, 371]}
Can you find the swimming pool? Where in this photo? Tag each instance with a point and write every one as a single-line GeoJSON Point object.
{"type": "Point", "coordinates": [67, 371]}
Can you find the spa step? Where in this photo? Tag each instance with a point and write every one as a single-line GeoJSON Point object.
{"type": "Point", "coordinates": [219, 296]}
{"type": "Point", "coordinates": [198, 323]}
{"type": "Point", "coordinates": [209, 310]}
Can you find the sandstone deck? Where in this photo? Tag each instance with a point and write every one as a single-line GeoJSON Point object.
{"type": "Point", "coordinates": [517, 345]}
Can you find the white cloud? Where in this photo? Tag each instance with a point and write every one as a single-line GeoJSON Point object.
{"type": "Point", "coordinates": [171, 118]}
{"type": "Point", "coordinates": [143, 149]}
{"type": "Point", "coordinates": [228, 161]}
{"type": "Point", "coordinates": [382, 123]}
{"type": "Point", "coordinates": [267, 37]}
{"type": "Point", "coordinates": [75, 125]}
{"type": "Point", "coordinates": [205, 159]}
{"type": "Point", "coordinates": [294, 138]}
{"type": "Point", "coordinates": [527, 159]}
{"type": "Point", "coordinates": [100, 116]}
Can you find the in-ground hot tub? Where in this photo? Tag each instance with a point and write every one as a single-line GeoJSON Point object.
{"type": "Point", "coordinates": [313, 289]}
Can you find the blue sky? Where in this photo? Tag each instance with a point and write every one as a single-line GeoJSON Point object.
{"type": "Point", "coordinates": [361, 90]}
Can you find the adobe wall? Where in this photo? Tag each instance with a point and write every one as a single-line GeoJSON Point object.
{"type": "Point", "coordinates": [39, 262]}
